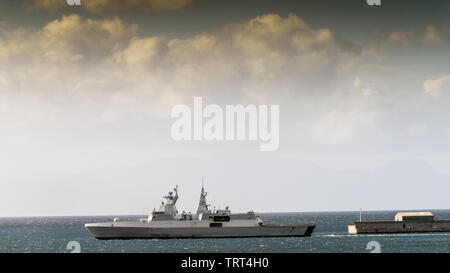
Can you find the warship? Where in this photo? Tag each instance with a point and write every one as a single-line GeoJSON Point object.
{"type": "Point", "coordinates": [208, 223]}
{"type": "Point", "coordinates": [404, 222]}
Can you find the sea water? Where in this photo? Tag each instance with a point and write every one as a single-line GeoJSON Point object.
{"type": "Point", "coordinates": [66, 234]}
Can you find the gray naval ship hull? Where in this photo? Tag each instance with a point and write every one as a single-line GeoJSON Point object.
{"type": "Point", "coordinates": [133, 230]}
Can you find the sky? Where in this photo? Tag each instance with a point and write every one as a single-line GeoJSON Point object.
{"type": "Point", "coordinates": [86, 95]}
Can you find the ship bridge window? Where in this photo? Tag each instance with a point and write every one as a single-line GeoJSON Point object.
{"type": "Point", "coordinates": [221, 218]}
{"type": "Point", "coordinates": [215, 225]}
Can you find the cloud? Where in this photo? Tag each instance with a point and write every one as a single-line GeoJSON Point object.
{"type": "Point", "coordinates": [106, 73]}
{"type": "Point", "coordinates": [429, 36]}
{"type": "Point", "coordinates": [71, 39]}
{"type": "Point", "coordinates": [51, 5]}
{"type": "Point", "coordinates": [400, 38]}
{"type": "Point", "coordinates": [437, 87]}
{"type": "Point", "coordinates": [261, 50]}
{"type": "Point", "coordinates": [99, 6]}
{"type": "Point", "coordinates": [86, 95]}
{"type": "Point", "coordinates": [433, 36]}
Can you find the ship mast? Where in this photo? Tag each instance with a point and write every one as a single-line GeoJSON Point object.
{"type": "Point", "coordinates": [202, 206]}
